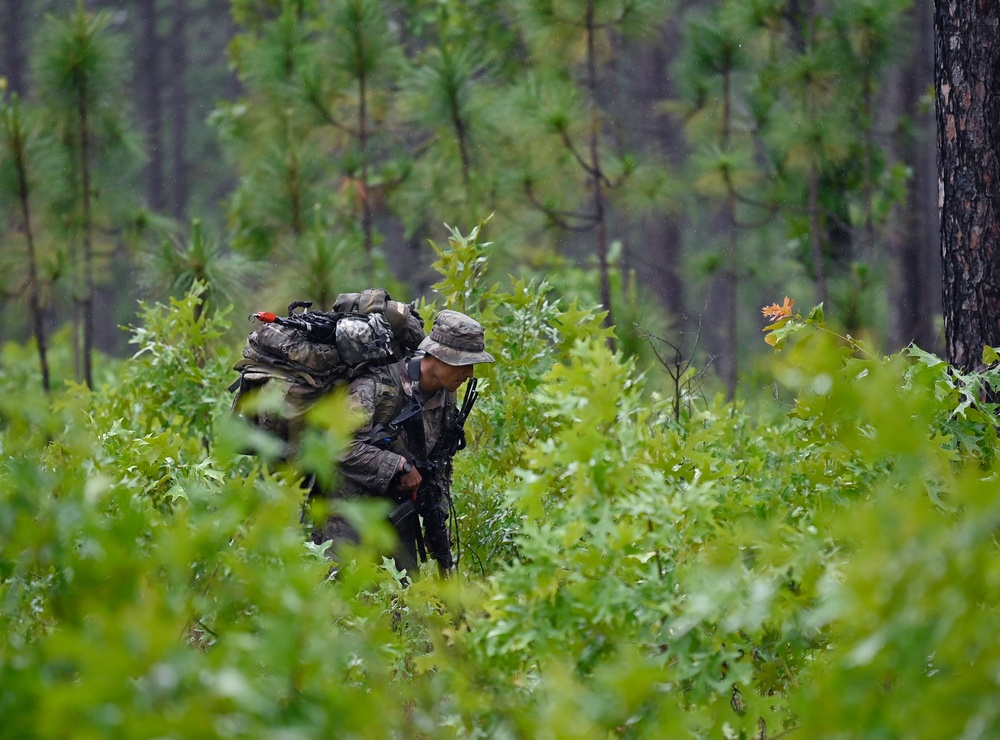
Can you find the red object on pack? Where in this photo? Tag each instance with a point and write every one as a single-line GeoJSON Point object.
{"type": "Point", "coordinates": [265, 316]}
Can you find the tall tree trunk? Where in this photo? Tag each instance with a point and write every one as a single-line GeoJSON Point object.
{"type": "Point", "coordinates": [367, 226]}
{"type": "Point", "coordinates": [294, 176]}
{"type": "Point", "coordinates": [626, 262]}
{"type": "Point", "coordinates": [813, 182]}
{"type": "Point", "coordinates": [13, 30]}
{"type": "Point", "coordinates": [149, 86]}
{"type": "Point", "coordinates": [967, 76]}
{"type": "Point", "coordinates": [667, 247]}
{"type": "Point", "coordinates": [19, 147]}
{"type": "Point", "coordinates": [458, 122]}
{"type": "Point", "coordinates": [662, 254]}
{"type": "Point", "coordinates": [815, 237]}
{"type": "Point", "coordinates": [180, 104]}
{"type": "Point", "coordinates": [918, 298]}
{"type": "Point", "coordinates": [596, 174]}
{"type": "Point", "coordinates": [868, 147]}
{"type": "Point", "coordinates": [87, 300]}
{"type": "Point", "coordinates": [731, 271]}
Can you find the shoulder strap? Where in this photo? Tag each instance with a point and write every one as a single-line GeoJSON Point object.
{"type": "Point", "coordinates": [413, 409]}
{"type": "Point", "coordinates": [416, 404]}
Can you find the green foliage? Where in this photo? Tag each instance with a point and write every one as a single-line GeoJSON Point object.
{"type": "Point", "coordinates": [444, 93]}
{"type": "Point", "coordinates": [180, 344]}
{"type": "Point", "coordinates": [826, 569]}
{"type": "Point", "coordinates": [80, 86]}
{"type": "Point", "coordinates": [779, 104]}
{"type": "Point", "coordinates": [175, 267]}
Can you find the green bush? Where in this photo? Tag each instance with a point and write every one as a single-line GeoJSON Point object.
{"type": "Point", "coordinates": [828, 570]}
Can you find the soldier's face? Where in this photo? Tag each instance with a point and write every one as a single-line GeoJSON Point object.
{"type": "Point", "coordinates": [452, 376]}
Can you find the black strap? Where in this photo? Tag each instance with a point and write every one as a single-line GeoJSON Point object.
{"type": "Point", "coordinates": [413, 370]}
{"type": "Point", "coordinates": [384, 435]}
{"type": "Point", "coordinates": [416, 403]}
{"type": "Point", "coordinates": [415, 421]}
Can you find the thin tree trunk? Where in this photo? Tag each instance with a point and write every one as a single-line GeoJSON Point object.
{"type": "Point", "coordinates": [367, 227]}
{"type": "Point", "coordinates": [815, 242]}
{"type": "Point", "coordinates": [37, 316]}
{"type": "Point", "coordinates": [463, 149]}
{"type": "Point", "coordinates": [730, 274]}
{"type": "Point", "coordinates": [294, 176]}
{"type": "Point", "coordinates": [458, 123]}
{"type": "Point", "coordinates": [150, 85]}
{"type": "Point", "coordinates": [815, 235]}
{"type": "Point", "coordinates": [87, 301]}
{"type": "Point", "coordinates": [867, 118]}
{"type": "Point", "coordinates": [596, 175]}
{"type": "Point", "coordinates": [626, 261]}
{"type": "Point", "coordinates": [180, 104]}
{"type": "Point", "coordinates": [76, 322]}
{"type": "Point", "coordinates": [919, 297]}
{"type": "Point", "coordinates": [667, 238]}
{"type": "Point", "coordinates": [967, 76]}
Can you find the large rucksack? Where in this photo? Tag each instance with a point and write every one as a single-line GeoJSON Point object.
{"type": "Point", "coordinates": [304, 355]}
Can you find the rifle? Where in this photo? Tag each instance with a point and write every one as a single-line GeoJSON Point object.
{"type": "Point", "coordinates": [316, 326]}
{"type": "Point", "coordinates": [432, 502]}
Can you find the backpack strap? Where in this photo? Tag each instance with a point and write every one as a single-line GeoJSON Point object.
{"type": "Point", "coordinates": [387, 433]}
{"type": "Point", "coordinates": [416, 404]}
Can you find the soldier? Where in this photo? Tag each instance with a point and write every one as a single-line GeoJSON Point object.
{"type": "Point", "coordinates": [402, 451]}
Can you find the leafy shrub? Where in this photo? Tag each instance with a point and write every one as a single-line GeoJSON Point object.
{"type": "Point", "coordinates": [827, 572]}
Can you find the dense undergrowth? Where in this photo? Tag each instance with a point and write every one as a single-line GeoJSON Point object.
{"type": "Point", "coordinates": [829, 569]}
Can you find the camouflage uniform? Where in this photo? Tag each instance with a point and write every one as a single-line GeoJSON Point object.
{"type": "Point", "coordinates": [369, 466]}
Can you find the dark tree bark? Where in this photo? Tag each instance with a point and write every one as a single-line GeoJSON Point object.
{"type": "Point", "coordinates": [149, 84]}
{"type": "Point", "coordinates": [180, 104]}
{"type": "Point", "coordinates": [967, 76]}
{"type": "Point", "coordinates": [13, 30]}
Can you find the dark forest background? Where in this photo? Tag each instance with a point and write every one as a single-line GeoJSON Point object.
{"type": "Point", "coordinates": [679, 163]}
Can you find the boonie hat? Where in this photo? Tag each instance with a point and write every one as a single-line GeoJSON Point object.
{"type": "Point", "coordinates": [456, 339]}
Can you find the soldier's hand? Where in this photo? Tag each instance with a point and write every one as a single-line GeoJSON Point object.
{"type": "Point", "coordinates": [408, 480]}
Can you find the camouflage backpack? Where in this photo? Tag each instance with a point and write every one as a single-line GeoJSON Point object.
{"type": "Point", "coordinates": [306, 354]}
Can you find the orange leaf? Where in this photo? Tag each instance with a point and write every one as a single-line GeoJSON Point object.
{"type": "Point", "coordinates": [774, 311]}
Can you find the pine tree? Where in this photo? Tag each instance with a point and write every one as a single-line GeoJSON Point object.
{"type": "Point", "coordinates": [175, 266]}
{"type": "Point", "coordinates": [78, 78]}
{"type": "Point", "coordinates": [780, 103]}
{"type": "Point", "coordinates": [572, 43]}
{"type": "Point", "coordinates": [352, 85]}
{"type": "Point", "coordinates": [450, 95]}
{"type": "Point", "coordinates": [269, 134]}
{"type": "Point", "coordinates": [818, 94]}
{"type": "Point", "coordinates": [311, 133]}
{"type": "Point", "coordinates": [710, 71]}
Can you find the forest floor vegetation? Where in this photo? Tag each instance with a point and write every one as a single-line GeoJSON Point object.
{"type": "Point", "coordinates": [829, 569]}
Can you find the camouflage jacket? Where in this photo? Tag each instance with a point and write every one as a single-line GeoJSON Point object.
{"type": "Point", "coordinates": [368, 469]}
